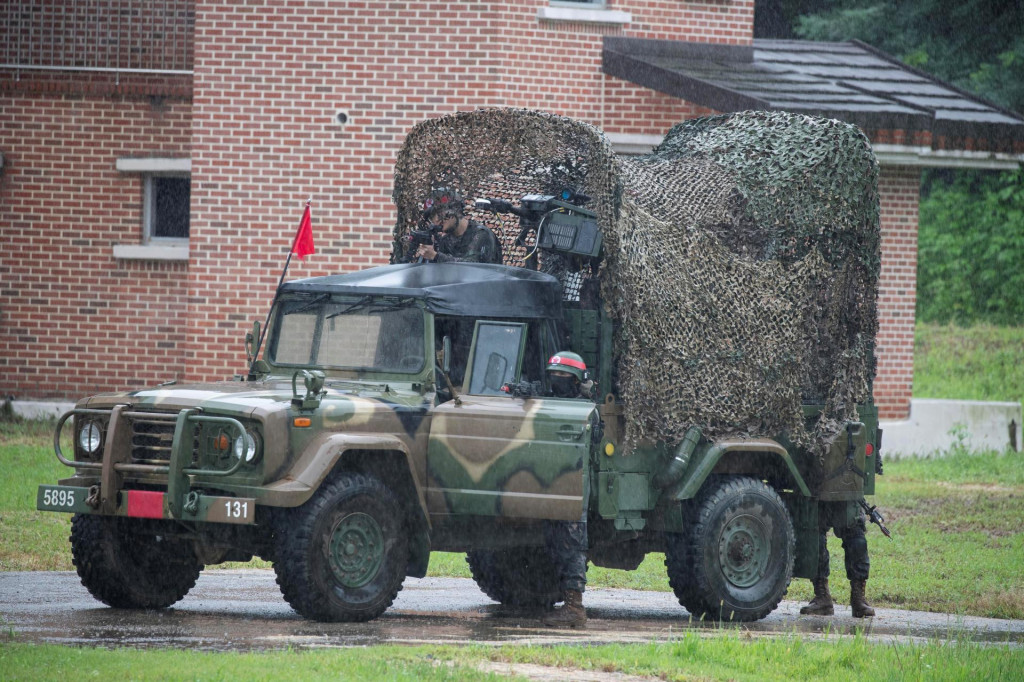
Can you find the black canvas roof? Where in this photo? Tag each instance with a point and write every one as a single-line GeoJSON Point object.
{"type": "Point", "coordinates": [470, 289]}
{"type": "Point", "coordinates": [849, 81]}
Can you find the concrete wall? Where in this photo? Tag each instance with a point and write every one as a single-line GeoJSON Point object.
{"type": "Point", "coordinates": [934, 426]}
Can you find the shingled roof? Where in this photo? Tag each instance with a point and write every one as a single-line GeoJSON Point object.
{"type": "Point", "coordinates": [849, 81]}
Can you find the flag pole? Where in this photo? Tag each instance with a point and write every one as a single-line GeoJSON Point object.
{"type": "Point", "coordinates": [280, 281]}
{"type": "Point", "coordinates": [295, 242]}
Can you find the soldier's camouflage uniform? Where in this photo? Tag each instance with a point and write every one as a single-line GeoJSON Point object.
{"type": "Point", "coordinates": [476, 245]}
{"type": "Point", "coordinates": [836, 516]}
{"type": "Point", "coordinates": [567, 543]}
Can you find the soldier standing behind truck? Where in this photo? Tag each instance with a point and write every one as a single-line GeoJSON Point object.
{"type": "Point", "coordinates": [847, 520]}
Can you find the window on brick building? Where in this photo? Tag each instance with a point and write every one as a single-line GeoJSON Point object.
{"type": "Point", "coordinates": [166, 207]}
{"type": "Point", "coordinates": [166, 191]}
{"type": "Point", "coordinates": [582, 11]}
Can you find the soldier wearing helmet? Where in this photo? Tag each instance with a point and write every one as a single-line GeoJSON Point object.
{"type": "Point", "coordinates": [461, 240]}
{"type": "Point", "coordinates": [567, 374]}
{"type": "Point", "coordinates": [567, 540]}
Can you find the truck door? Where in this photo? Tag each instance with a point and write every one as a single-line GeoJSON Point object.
{"type": "Point", "coordinates": [491, 454]}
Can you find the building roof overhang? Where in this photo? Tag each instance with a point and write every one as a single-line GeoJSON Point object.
{"type": "Point", "coordinates": [849, 81]}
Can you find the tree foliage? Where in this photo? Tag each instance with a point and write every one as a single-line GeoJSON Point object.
{"type": "Point", "coordinates": [971, 229]}
{"type": "Point", "coordinates": [971, 249]}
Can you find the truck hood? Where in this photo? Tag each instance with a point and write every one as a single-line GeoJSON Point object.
{"type": "Point", "coordinates": [249, 398]}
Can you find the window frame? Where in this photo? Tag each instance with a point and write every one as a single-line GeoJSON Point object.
{"type": "Point", "coordinates": [162, 249]}
{"type": "Point", "coordinates": [584, 12]}
{"type": "Point", "coordinates": [149, 210]}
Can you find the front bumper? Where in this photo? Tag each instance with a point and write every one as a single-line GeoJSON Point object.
{"type": "Point", "coordinates": [180, 501]}
{"type": "Point", "coordinates": [148, 504]}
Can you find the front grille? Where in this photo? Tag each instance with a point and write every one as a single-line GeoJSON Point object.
{"type": "Point", "coordinates": [152, 437]}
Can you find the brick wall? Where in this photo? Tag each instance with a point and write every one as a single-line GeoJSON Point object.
{"type": "Point", "coordinates": [899, 192]}
{"type": "Point", "coordinates": [73, 320]}
{"type": "Point", "coordinates": [262, 133]}
{"type": "Point", "coordinates": [269, 79]}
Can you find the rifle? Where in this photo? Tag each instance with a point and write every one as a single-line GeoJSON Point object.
{"type": "Point", "coordinates": [417, 237]}
{"type": "Point", "coordinates": [876, 518]}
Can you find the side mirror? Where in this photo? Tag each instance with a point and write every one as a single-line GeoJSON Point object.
{"type": "Point", "coordinates": [497, 368]}
{"type": "Point", "coordinates": [446, 355]}
{"type": "Point", "coordinates": [314, 381]}
{"type": "Point", "coordinates": [251, 340]}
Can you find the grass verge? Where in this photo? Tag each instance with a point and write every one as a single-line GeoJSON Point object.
{"type": "Point", "coordinates": [728, 655]}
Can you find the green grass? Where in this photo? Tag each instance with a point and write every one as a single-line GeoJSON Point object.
{"type": "Point", "coordinates": [728, 655]}
{"type": "Point", "coordinates": [30, 540]}
{"type": "Point", "coordinates": [969, 363]}
{"type": "Point", "coordinates": [44, 663]}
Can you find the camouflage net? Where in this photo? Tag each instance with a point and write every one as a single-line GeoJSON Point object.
{"type": "Point", "coordinates": [741, 257]}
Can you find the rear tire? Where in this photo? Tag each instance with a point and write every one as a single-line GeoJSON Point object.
{"type": "Point", "coordinates": [736, 560]}
{"type": "Point", "coordinates": [523, 576]}
{"type": "Point", "coordinates": [129, 564]}
{"type": "Point", "coordinates": [342, 555]}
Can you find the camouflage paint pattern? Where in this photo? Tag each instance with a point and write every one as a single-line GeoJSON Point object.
{"type": "Point", "coordinates": [486, 455]}
{"type": "Point", "coordinates": [501, 456]}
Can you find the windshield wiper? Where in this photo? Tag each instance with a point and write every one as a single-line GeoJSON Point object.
{"type": "Point", "coordinates": [309, 304]}
{"type": "Point", "coordinates": [367, 301]}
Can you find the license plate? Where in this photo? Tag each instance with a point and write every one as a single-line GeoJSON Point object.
{"type": "Point", "coordinates": [229, 509]}
{"type": "Point", "coordinates": [62, 498]}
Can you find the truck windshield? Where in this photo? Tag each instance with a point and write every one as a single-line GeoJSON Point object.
{"type": "Point", "coordinates": [381, 335]}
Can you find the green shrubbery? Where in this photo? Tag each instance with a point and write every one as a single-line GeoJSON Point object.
{"type": "Point", "coordinates": [971, 248]}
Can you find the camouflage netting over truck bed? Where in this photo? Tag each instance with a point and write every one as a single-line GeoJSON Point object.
{"type": "Point", "coordinates": [741, 257]}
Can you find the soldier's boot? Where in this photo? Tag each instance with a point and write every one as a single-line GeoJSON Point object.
{"type": "Point", "coordinates": [858, 602]}
{"type": "Point", "coordinates": [822, 603]}
{"type": "Point", "coordinates": [570, 614]}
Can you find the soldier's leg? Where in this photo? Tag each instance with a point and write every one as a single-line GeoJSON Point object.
{"type": "Point", "coordinates": [858, 565]}
{"type": "Point", "coordinates": [567, 542]}
{"type": "Point", "coordinates": [822, 603]}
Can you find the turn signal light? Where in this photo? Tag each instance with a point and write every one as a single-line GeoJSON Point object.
{"type": "Point", "coordinates": [221, 442]}
{"type": "Point", "coordinates": [302, 422]}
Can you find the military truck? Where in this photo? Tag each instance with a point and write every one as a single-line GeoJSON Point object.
{"type": "Point", "coordinates": [383, 419]}
{"type": "Point", "coordinates": [350, 455]}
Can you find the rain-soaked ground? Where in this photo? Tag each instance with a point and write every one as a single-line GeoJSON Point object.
{"type": "Point", "coordinates": [243, 610]}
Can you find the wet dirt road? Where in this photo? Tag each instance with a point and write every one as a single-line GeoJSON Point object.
{"type": "Point", "coordinates": [243, 610]}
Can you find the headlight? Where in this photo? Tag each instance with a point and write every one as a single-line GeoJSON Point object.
{"type": "Point", "coordinates": [90, 437]}
{"type": "Point", "coordinates": [247, 447]}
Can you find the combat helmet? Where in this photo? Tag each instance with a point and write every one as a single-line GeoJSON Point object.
{"type": "Point", "coordinates": [441, 198]}
{"type": "Point", "coordinates": [567, 361]}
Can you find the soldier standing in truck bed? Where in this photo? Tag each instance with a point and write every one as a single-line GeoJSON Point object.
{"type": "Point", "coordinates": [461, 240]}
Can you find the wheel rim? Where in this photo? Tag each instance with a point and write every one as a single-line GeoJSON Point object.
{"type": "Point", "coordinates": [743, 551]}
{"type": "Point", "coordinates": [356, 549]}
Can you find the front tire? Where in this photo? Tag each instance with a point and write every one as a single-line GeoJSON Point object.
{"type": "Point", "coordinates": [342, 555]}
{"type": "Point", "coordinates": [736, 560]}
{"type": "Point", "coordinates": [129, 563]}
{"type": "Point", "coordinates": [524, 576]}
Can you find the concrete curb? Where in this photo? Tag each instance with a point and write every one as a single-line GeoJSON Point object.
{"type": "Point", "coordinates": [37, 409]}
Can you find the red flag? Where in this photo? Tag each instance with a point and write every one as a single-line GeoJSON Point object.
{"type": "Point", "coordinates": [303, 245]}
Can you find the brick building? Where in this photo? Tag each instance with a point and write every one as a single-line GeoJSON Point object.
{"type": "Point", "coordinates": [116, 114]}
